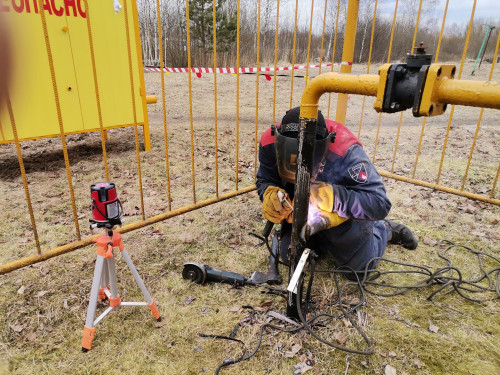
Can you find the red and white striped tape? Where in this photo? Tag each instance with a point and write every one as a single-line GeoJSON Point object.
{"type": "Point", "coordinates": [233, 70]}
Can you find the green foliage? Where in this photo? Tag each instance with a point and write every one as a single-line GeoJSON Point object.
{"type": "Point", "coordinates": [201, 25]}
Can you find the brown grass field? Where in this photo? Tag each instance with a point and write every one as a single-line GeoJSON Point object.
{"type": "Point", "coordinates": [43, 307]}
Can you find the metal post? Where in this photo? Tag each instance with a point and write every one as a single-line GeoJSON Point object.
{"type": "Point", "coordinates": [347, 55]}
{"type": "Point", "coordinates": [307, 138]}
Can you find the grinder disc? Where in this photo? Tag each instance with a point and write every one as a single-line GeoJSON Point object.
{"type": "Point", "coordinates": [194, 272]}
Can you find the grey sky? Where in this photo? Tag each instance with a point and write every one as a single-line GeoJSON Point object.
{"type": "Point", "coordinates": [459, 11]}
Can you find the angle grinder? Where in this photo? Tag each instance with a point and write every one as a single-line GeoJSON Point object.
{"type": "Point", "coordinates": [201, 273]}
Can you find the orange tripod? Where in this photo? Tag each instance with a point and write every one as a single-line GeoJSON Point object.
{"type": "Point", "coordinates": [104, 285]}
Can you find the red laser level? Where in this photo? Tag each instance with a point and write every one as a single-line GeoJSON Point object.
{"type": "Point", "coordinates": [106, 207]}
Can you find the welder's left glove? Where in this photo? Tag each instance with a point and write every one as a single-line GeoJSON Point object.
{"type": "Point", "coordinates": [321, 205]}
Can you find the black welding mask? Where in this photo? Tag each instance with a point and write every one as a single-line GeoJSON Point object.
{"type": "Point", "coordinates": [286, 144]}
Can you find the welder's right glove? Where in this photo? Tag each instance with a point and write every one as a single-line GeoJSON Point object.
{"type": "Point", "coordinates": [321, 205]}
{"type": "Point", "coordinates": [273, 209]}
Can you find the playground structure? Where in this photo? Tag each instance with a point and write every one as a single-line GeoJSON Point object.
{"type": "Point", "coordinates": [114, 95]}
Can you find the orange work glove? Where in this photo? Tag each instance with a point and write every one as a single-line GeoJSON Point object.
{"type": "Point", "coordinates": [274, 209]}
{"type": "Point", "coordinates": [321, 205]}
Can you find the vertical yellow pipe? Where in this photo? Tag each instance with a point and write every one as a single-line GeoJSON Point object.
{"type": "Point", "coordinates": [214, 28]}
{"type": "Point", "coordinates": [322, 39]}
{"type": "Point", "coordinates": [480, 118]}
{"type": "Point", "coordinates": [347, 55]}
{"type": "Point", "coordinates": [369, 62]}
{"type": "Point", "coordinates": [256, 146]}
{"type": "Point", "coordinates": [293, 50]}
{"type": "Point", "coordinates": [59, 117]}
{"type": "Point", "coordinates": [238, 91]}
{"type": "Point", "coordinates": [401, 114]}
{"type": "Point", "coordinates": [388, 61]}
{"type": "Point", "coordinates": [464, 54]}
{"type": "Point", "coordinates": [163, 102]}
{"type": "Point", "coordinates": [23, 173]}
{"type": "Point", "coordinates": [134, 109]}
{"type": "Point", "coordinates": [435, 60]}
{"type": "Point", "coordinates": [333, 53]}
{"type": "Point", "coordinates": [96, 87]}
{"type": "Point", "coordinates": [190, 100]}
{"type": "Point", "coordinates": [275, 59]}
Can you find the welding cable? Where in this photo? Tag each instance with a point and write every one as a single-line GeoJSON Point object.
{"type": "Point", "coordinates": [365, 281]}
{"type": "Point", "coordinates": [443, 277]}
{"type": "Point", "coordinates": [265, 241]}
{"type": "Point", "coordinates": [345, 313]}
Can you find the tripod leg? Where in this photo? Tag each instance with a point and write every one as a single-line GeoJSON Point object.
{"type": "Point", "coordinates": [104, 281]}
{"type": "Point", "coordinates": [88, 329]}
{"type": "Point", "coordinates": [114, 301]}
{"type": "Point", "coordinates": [138, 279]}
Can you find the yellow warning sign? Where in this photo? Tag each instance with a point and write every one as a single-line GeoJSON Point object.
{"type": "Point", "coordinates": [32, 91]}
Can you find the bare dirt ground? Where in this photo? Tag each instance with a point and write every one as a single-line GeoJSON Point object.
{"type": "Point", "coordinates": [43, 306]}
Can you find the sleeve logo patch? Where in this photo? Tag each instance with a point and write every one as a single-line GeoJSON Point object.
{"type": "Point", "coordinates": [358, 173]}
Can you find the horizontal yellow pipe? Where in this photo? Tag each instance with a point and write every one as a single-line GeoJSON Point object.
{"type": "Point", "coordinates": [26, 261]}
{"type": "Point", "coordinates": [151, 99]}
{"type": "Point", "coordinates": [469, 93]}
{"type": "Point", "coordinates": [462, 193]}
{"type": "Point", "coordinates": [450, 91]}
{"type": "Point", "coordinates": [363, 84]}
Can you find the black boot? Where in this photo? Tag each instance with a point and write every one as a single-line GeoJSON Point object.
{"type": "Point", "coordinates": [402, 235]}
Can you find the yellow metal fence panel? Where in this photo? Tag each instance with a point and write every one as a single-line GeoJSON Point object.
{"type": "Point", "coordinates": [211, 145]}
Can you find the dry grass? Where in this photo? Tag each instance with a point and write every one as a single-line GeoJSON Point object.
{"type": "Point", "coordinates": [43, 306]}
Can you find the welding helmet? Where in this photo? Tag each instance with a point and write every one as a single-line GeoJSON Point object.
{"type": "Point", "coordinates": [286, 144]}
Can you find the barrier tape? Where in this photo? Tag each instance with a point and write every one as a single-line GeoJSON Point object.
{"type": "Point", "coordinates": [241, 70]}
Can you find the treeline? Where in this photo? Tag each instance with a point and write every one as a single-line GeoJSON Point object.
{"type": "Point", "coordinates": [174, 36]}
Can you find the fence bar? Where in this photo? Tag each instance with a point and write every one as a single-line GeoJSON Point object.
{"type": "Point", "coordinates": [347, 55]}
{"type": "Point", "coordinates": [256, 146]}
{"type": "Point", "coordinates": [275, 59]}
{"type": "Point", "coordinates": [214, 30]}
{"type": "Point", "coordinates": [322, 39]}
{"type": "Point", "coordinates": [309, 43]}
{"type": "Point", "coordinates": [23, 173]}
{"type": "Point", "coordinates": [26, 261]}
{"type": "Point", "coordinates": [333, 53]}
{"type": "Point", "coordinates": [190, 99]}
{"type": "Point", "coordinates": [480, 117]}
{"type": "Point", "coordinates": [134, 109]}
{"type": "Point", "coordinates": [293, 49]}
{"type": "Point", "coordinates": [59, 116]}
{"type": "Point", "coordinates": [494, 186]}
{"type": "Point", "coordinates": [465, 194]}
{"type": "Point", "coordinates": [96, 87]}
{"type": "Point", "coordinates": [401, 115]}
{"type": "Point", "coordinates": [369, 61]}
{"type": "Point", "coordinates": [238, 91]}
{"type": "Point", "coordinates": [464, 54]}
{"type": "Point", "coordinates": [435, 60]}
{"type": "Point", "coordinates": [388, 61]}
{"type": "Point", "coordinates": [163, 101]}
